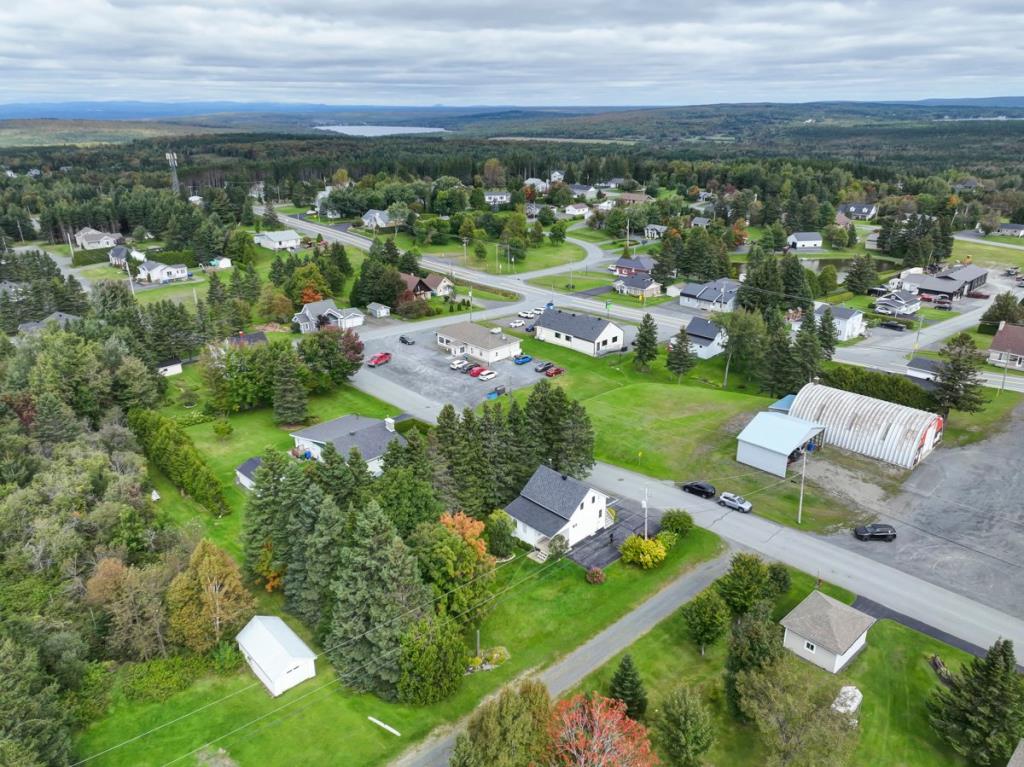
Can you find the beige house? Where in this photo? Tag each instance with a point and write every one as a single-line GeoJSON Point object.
{"type": "Point", "coordinates": [825, 631]}
{"type": "Point", "coordinates": [1007, 349]}
{"type": "Point", "coordinates": [471, 340]}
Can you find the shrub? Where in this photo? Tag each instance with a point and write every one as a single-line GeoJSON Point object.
{"type": "Point", "coordinates": [497, 655]}
{"type": "Point", "coordinates": [188, 397]}
{"type": "Point", "coordinates": [596, 576]}
{"type": "Point", "coordinates": [159, 679]}
{"type": "Point", "coordinates": [222, 428]}
{"type": "Point", "coordinates": [668, 539]}
{"type": "Point", "coordinates": [677, 521]}
{"type": "Point", "coordinates": [778, 575]}
{"type": "Point", "coordinates": [557, 547]}
{"type": "Point", "coordinates": [645, 554]}
{"type": "Point", "coordinates": [225, 658]}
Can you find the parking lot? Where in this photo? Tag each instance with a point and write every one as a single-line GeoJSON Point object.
{"type": "Point", "coordinates": [424, 366]}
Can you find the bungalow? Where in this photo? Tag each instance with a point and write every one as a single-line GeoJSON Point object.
{"type": "Point", "coordinates": [634, 198]}
{"type": "Point", "coordinates": [849, 323]}
{"type": "Point", "coordinates": [707, 337]}
{"type": "Point", "coordinates": [245, 472]}
{"type": "Point", "coordinates": [154, 271]}
{"type": "Point", "coordinates": [318, 314]}
{"type": "Point", "coordinates": [370, 436]}
{"type": "Point", "coordinates": [169, 368]}
{"type": "Point", "coordinates": [1007, 349]}
{"type": "Point", "coordinates": [553, 504]}
{"type": "Point", "coordinates": [801, 240]}
{"type": "Point", "coordinates": [898, 303]}
{"type": "Point", "coordinates": [642, 286]}
{"type": "Point", "coordinates": [614, 183]}
{"type": "Point", "coordinates": [825, 631]}
{"type": "Point", "coordinates": [539, 185]}
{"type": "Point", "coordinates": [88, 238]}
{"type": "Point", "coordinates": [556, 176]}
{"type": "Point", "coordinates": [424, 288]}
{"type": "Point", "coordinates": [578, 209]}
{"type": "Point", "coordinates": [494, 197]}
{"type": "Point", "coordinates": [378, 311]}
{"type": "Point", "coordinates": [581, 332]}
{"type": "Point", "coordinates": [275, 653]}
{"type": "Point", "coordinates": [700, 222]}
{"type": "Point", "coordinates": [472, 340]}
{"type": "Point", "coordinates": [654, 231]}
{"type": "Point", "coordinates": [1011, 230]}
{"type": "Point", "coordinates": [718, 295]}
{"type": "Point", "coordinates": [118, 256]}
{"type": "Point", "coordinates": [627, 267]}
{"type": "Point", "coordinates": [378, 219]}
{"type": "Point", "coordinates": [605, 205]}
{"type": "Point", "coordinates": [59, 318]}
{"type": "Point", "coordinates": [586, 191]}
{"type": "Point", "coordinates": [285, 239]}
{"type": "Point", "coordinates": [861, 211]}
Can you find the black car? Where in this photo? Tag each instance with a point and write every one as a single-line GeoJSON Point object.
{"type": "Point", "coordinates": [406, 340]}
{"type": "Point", "coordinates": [891, 325]}
{"type": "Point", "coordinates": [544, 367]}
{"type": "Point", "coordinates": [875, 532]}
{"type": "Point", "coordinates": [703, 489]}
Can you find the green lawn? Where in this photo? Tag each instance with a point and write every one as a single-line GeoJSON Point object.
{"type": "Point", "coordinates": [590, 235]}
{"type": "Point", "coordinates": [536, 599]}
{"type": "Point", "coordinates": [930, 315]}
{"type": "Point", "coordinates": [588, 280]}
{"type": "Point", "coordinates": [1005, 238]}
{"type": "Point", "coordinates": [966, 428]}
{"type": "Point", "coordinates": [988, 254]}
{"type": "Point", "coordinates": [541, 257]}
{"type": "Point", "coordinates": [892, 672]}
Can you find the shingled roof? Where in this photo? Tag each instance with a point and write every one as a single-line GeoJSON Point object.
{"type": "Point", "coordinates": [827, 622]}
{"type": "Point", "coordinates": [548, 500]}
{"type": "Point", "coordinates": [578, 325]}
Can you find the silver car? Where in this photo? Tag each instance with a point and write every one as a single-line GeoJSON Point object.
{"type": "Point", "coordinates": [735, 502]}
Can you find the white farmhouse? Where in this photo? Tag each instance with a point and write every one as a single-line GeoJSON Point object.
{"type": "Point", "coordinates": [578, 209]}
{"type": "Point", "coordinates": [706, 337]}
{"type": "Point", "coordinates": [580, 332]}
{"type": "Point", "coordinates": [318, 314]}
{"type": "Point", "coordinates": [553, 504]}
{"type": "Point", "coordinates": [154, 271]}
{"type": "Point", "coordinates": [370, 436]}
{"type": "Point", "coordinates": [801, 240]}
{"type": "Point", "coordinates": [825, 632]}
{"type": "Point", "coordinates": [285, 239]}
{"type": "Point", "coordinates": [849, 323]}
{"type": "Point", "coordinates": [275, 653]}
{"type": "Point", "coordinates": [475, 341]}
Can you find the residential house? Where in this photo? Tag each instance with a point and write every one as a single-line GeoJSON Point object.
{"type": "Point", "coordinates": [700, 222]}
{"type": "Point", "coordinates": [586, 191]}
{"type": "Point", "coordinates": [471, 340]}
{"type": "Point", "coordinates": [825, 631]}
{"type": "Point", "coordinates": [1011, 230]}
{"type": "Point", "coordinates": [59, 318]}
{"type": "Point", "coordinates": [378, 219]}
{"type": "Point", "coordinates": [590, 335]}
{"type": "Point", "coordinates": [634, 198]}
{"type": "Point", "coordinates": [378, 311]}
{"type": "Point", "coordinates": [540, 186]}
{"type": "Point", "coordinates": [860, 211]}
{"type": "Point", "coordinates": [707, 337]}
{"type": "Point", "coordinates": [773, 440]}
{"type": "Point", "coordinates": [322, 203]}
{"type": "Point", "coordinates": [801, 240]}
{"type": "Point", "coordinates": [285, 239]}
{"type": "Point", "coordinates": [532, 209]}
{"type": "Point", "coordinates": [849, 323]}
{"type": "Point", "coordinates": [370, 436]}
{"type": "Point", "coordinates": [275, 653]}
{"type": "Point", "coordinates": [871, 242]}
{"type": "Point", "coordinates": [967, 185]}
{"type": "Point", "coordinates": [318, 314]}
{"type": "Point", "coordinates": [169, 368]}
{"type": "Point", "coordinates": [1007, 349]}
{"type": "Point", "coordinates": [88, 238]}
{"type": "Point", "coordinates": [627, 266]}
{"type": "Point", "coordinates": [578, 209]}
{"type": "Point", "coordinates": [154, 271]}
{"type": "Point", "coordinates": [118, 256]}
{"type": "Point", "coordinates": [654, 231]}
{"type": "Point", "coordinates": [423, 288]}
{"type": "Point", "coordinates": [924, 368]}
{"type": "Point", "coordinates": [898, 303]}
{"type": "Point", "coordinates": [556, 176]}
{"type": "Point", "coordinates": [245, 472]}
{"type": "Point", "coordinates": [715, 296]}
{"type": "Point", "coordinates": [553, 504]}
{"type": "Point", "coordinates": [495, 197]}
{"type": "Point", "coordinates": [613, 183]}
{"type": "Point", "coordinates": [605, 205]}
{"type": "Point", "coordinates": [641, 286]}
{"type": "Point", "coordinates": [705, 196]}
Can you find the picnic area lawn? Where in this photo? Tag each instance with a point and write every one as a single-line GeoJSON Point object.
{"type": "Point", "coordinates": [892, 672]}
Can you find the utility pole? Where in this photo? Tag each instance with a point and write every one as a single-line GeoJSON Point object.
{"type": "Point", "coordinates": [645, 513]}
{"type": "Point", "coordinates": [803, 472]}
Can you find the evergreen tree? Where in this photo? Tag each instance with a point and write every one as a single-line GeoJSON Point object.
{"type": "Point", "coordinates": [407, 499]}
{"type": "Point", "coordinates": [794, 284]}
{"type": "Point", "coordinates": [959, 378]}
{"type": "Point", "coordinates": [270, 220]}
{"type": "Point", "coordinates": [681, 357]}
{"type": "Point", "coordinates": [646, 344]}
{"type": "Point", "coordinates": [806, 351]}
{"type": "Point", "coordinates": [55, 421]}
{"type": "Point", "coordinates": [301, 589]}
{"type": "Point", "coordinates": [263, 505]}
{"type": "Point", "coordinates": [862, 275]}
{"type": "Point", "coordinates": [756, 643]}
{"type": "Point", "coordinates": [827, 335]}
{"type": "Point", "coordinates": [777, 370]}
{"type": "Point", "coordinates": [291, 402]}
{"type": "Point", "coordinates": [627, 686]}
{"type": "Point", "coordinates": [683, 728]}
{"type": "Point", "coordinates": [432, 660]}
{"type": "Point", "coordinates": [378, 596]}
{"type": "Point", "coordinates": [981, 713]}
{"type": "Point", "coordinates": [35, 718]}
{"type": "Point", "coordinates": [333, 475]}
{"type": "Point", "coordinates": [331, 533]}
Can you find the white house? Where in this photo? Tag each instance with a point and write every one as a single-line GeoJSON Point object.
{"type": "Point", "coordinates": [556, 176]}
{"type": "Point", "coordinates": [154, 271]}
{"type": "Point", "coordinates": [1007, 349]}
{"type": "Point", "coordinates": [319, 314]}
{"type": "Point", "coordinates": [88, 238]}
{"type": "Point", "coordinates": [898, 303]}
{"type": "Point", "coordinates": [1011, 230]}
{"type": "Point", "coordinates": [654, 231]}
{"type": "Point", "coordinates": [717, 295]}
{"type": "Point", "coordinates": [169, 368]}
{"type": "Point", "coordinates": [772, 440]}
{"type": "Point", "coordinates": [700, 222]}
{"type": "Point", "coordinates": [285, 239]}
{"type": "Point", "coordinates": [378, 310]}
{"type": "Point", "coordinates": [221, 262]}
{"type": "Point", "coordinates": [275, 653]}
{"type": "Point", "coordinates": [871, 242]}
{"type": "Point", "coordinates": [245, 473]}
{"type": "Point", "coordinates": [553, 504]}
{"type": "Point", "coordinates": [581, 332]}
{"type": "Point", "coordinates": [801, 240]}
{"type": "Point", "coordinates": [706, 337]}
{"type": "Point", "coordinates": [378, 219]}
{"type": "Point", "coordinates": [849, 323]}
{"type": "Point", "coordinates": [497, 197]}
{"type": "Point", "coordinates": [825, 631]}
{"type": "Point", "coordinates": [641, 286]}
{"type": "Point", "coordinates": [539, 185]}
{"type": "Point", "coordinates": [578, 209]}
{"type": "Point", "coordinates": [118, 256]}
{"type": "Point", "coordinates": [864, 211]}
{"type": "Point", "coordinates": [370, 436]}
{"type": "Point", "coordinates": [585, 191]}
{"type": "Point", "coordinates": [472, 340]}
{"type": "Point", "coordinates": [605, 205]}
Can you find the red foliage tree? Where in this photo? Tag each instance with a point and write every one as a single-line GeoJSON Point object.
{"type": "Point", "coordinates": [310, 294]}
{"type": "Point", "coordinates": [594, 731]}
{"type": "Point", "coordinates": [471, 530]}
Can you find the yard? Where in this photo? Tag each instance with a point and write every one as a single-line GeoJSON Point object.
{"type": "Point", "coordinates": [892, 672]}
{"type": "Point", "coordinates": [984, 254]}
{"type": "Point", "coordinates": [542, 257]}
{"type": "Point", "coordinates": [590, 280]}
{"type": "Point", "coordinates": [929, 314]}
{"type": "Point", "coordinates": [588, 234]}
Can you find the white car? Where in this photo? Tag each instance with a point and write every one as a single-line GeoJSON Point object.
{"type": "Point", "coordinates": [459, 364]}
{"type": "Point", "coordinates": [735, 502]}
{"type": "Point", "coordinates": [495, 331]}
{"type": "Point", "coordinates": [526, 315]}
{"type": "Point", "coordinates": [516, 324]}
{"type": "Point", "coordinates": [487, 375]}
{"type": "Point", "coordinates": [539, 311]}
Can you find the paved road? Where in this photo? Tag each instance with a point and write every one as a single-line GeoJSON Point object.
{"type": "Point", "coordinates": [969, 235]}
{"type": "Point", "coordinates": [574, 667]}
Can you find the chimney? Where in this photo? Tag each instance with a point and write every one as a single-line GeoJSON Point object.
{"type": "Point", "coordinates": [389, 423]}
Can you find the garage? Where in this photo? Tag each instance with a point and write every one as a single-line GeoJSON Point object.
{"type": "Point", "coordinates": [772, 440]}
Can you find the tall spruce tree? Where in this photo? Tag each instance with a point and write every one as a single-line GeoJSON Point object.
{"type": "Point", "coordinates": [291, 403]}
{"type": "Point", "coordinates": [959, 377]}
{"type": "Point", "coordinates": [333, 475]}
{"type": "Point", "coordinates": [827, 335]}
{"type": "Point", "coordinates": [331, 533]}
{"type": "Point", "coordinates": [777, 373]}
{"type": "Point", "coordinates": [263, 505]}
{"type": "Point", "coordinates": [302, 596]}
{"type": "Point", "coordinates": [627, 686]}
{"type": "Point", "coordinates": [681, 358]}
{"type": "Point", "coordinates": [646, 344]}
{"type": "Point", "coordinates": [806, 351]}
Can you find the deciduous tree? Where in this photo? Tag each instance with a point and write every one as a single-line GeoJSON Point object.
{"type": "Point", "coordinates": [509, 730]}
{"type": "Point", "coordinates": [596, 732]}
{"type": "Point", "coordinates": [682, 727]}
{"type": "Point", "coordinates": [707, 618]}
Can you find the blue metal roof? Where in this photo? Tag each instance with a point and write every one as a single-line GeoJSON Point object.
{"type": "Point", "coordinates": [782, 405]}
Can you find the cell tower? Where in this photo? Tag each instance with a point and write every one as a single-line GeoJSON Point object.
{"type": "Point", "coordinates": [172, 160]}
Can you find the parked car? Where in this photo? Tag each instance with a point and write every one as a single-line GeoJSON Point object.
{"type": "Point", "coordinates": [476, 370]}
{"type": "Point", "coordinates": [925, 297]}
{"type": "Point", "coordinates": [543, 366]}
{"type": "Point", "coordinates": [554, 372]}
{"type": "Point", "coordinates": [883, 310]}
{"type": "Point", "coordinates": [945, 304]}
{"type": "Point", "coordinates": [468, 367]}
{"type": "Point", "coordinates": [487, 375]}
{"type": "Point", "coordinates": [977, 294]}
{"type": "Point", "coordinates": [522, 359]}
{"type": "Point", "coordinates": [516, 324]}
{"type": "Point", "coordinates": [875, 532]}
{"type": "Point", "coordinates": [406, 340]}
{"type": "Point", "coordinates": [495, 331]}
{"type": "Point", "coordinates": [703, 489]}
{"type": "Point", "coordinates": [499, 390]}
{"type": "Point", "coordinates": [381, 358]}
{"type": "Point", "coordinates": [539, 311]}
{"type": "Point", "coordinates": [735, 502]}
{"type": "Point", "coordinates": [459, 364]}
{"type": "Point", "coordinates": [526, 315]}
{"type": "Point", "coordinates": [529, 328]}
{"type": "Point", "coordinates": [893, 325]}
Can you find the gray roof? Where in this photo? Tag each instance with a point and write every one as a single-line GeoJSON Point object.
{"type": "Point", "coordinates": [966, 273]}
{"type": "Point", "coordinates": [657, 227]}
{"type": "Point", "coordinates": [640, 263]}
{"type": "Point", "coordinates": [119, 251]}
{"type": "Point", "coordinates": [548, 500]}
{"type": "Point", "coordinates": [150, 266]}
{"type": "Point", "coordinates": [700, 221]}
{"type": "Point", "coordinates": [280, 235]}
{"type": "Point", "coordinates": [248, 468]}
{"type": "Point", "coordinates": [315, 309]}
{"type": "Point", "coordinates": [934, 284]}
{"type": "Point", "coordinates": [373, 306]}
{"type": "Point", "coordinates": [839, 312]}
{"type": "Point", "coordinates": [369, 435]}
{"type": "Point", "coordinates": [540, 519]}
{"type": "Point", "coordinates": [925, 363]}
{"type": "Point", "coordinates": [476, 335]}
{"type": "Point", "coordinates": [641, 281]}
{"type": "Point", "coordinates": [1017, 759]}
{"type": "Point", "coordinates": [806, 236]}
{"type": "Point", "coordinates": [579, 325]}
{"type": "Point", "coordinates": [580, 188]}
{"type": "Point", "coordinates": [61, 318]}
{"type": "Point", "coordinates": [857, 207]}
{"type": "Point", "coordinates": [827, 622]}
{"type": "Point", "coordinates": [722, 290]}
{"type": "Point", "coordinates": [701, 329]}
{"type": "Point", "coordinates": [1012, 227]}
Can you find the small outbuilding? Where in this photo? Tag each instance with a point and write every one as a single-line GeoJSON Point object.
{"type": "Point", "coordinates": [772, 441]}
{"type": "Point", "coordinates": [275, 653]}
{"type": "Point", "coordinates": [802, 240]}
{"type": "Point", "coordinates": [378, 311]}
{"type": "Point", "coordinates": [825, 631]}
{"type": "Point", "coordinates": [169, 368]}
{"type": "Point", "coordinates": [245, 473]}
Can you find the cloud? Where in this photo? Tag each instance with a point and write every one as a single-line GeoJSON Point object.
{"type": "Point", "coordinates": [526, 52]}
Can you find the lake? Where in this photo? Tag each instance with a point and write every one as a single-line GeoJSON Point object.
{"type": "Point", "coordinates": [378, 130]}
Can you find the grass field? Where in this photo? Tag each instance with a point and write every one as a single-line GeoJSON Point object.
{"type": "Point", "coordinates": [532, 599]}
{"type": "Point", "coordinates": [1006, 239]}
{"type": "Point", "coordinates": [542, 257]}
{"type": "Point", "coordinates": [590, 235]}
{"type": "Point", "coordinates": [966, 428]}
{"type": "Point", "coordinates": [988, 254]}
{"type": "Point", "coordinates": [892, 672]}
{"type": "Point", "coordinates": [23, 133]}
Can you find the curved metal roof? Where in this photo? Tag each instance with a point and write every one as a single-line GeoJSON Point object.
{"type": "Point", "coordinates": [872, 427]}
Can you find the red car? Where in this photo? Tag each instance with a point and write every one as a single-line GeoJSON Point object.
{"type": "Point", "coordinates": [476, 370]}
{"type": "Point", "coordinates": [553, 372]}
{"type": "Point", "coordinates": [380, 358]}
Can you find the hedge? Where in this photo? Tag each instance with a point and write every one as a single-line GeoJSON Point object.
{"type": "Point", "coordinates": [89, 257]}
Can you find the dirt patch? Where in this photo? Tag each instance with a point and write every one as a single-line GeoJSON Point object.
{"type": "Point", "coordinates": [863, 486]}
{"type": "Point", "coordinates": [207, 757]}
{"type": "Point", "coordinates": [737, 423]}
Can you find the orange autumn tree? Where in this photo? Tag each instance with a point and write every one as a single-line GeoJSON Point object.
{"type": "Point", "coordinates": [594, 731]}
{"type": "Point", "coordinates": [470, 529]}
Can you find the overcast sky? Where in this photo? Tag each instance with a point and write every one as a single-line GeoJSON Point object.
{"type": "Point", "coordinates": [527, 52]}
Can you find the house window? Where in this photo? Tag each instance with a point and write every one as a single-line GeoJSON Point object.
{"type": "Point", "coordinates": [809, 646]}
{"type": "Point", "coordinates": [593, 499]}
{"type": "Point", "coordinates": [604, 342]}
{"type": "Point", "coordinates": [568, 338]}
{"type": "Point", "coordinates": [558, 335]}
{"type": "Point", "coordinates": [614, 339]}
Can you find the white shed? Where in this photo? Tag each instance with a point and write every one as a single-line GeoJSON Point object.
{"type": "Point", "coordinates": [245, 473]}
{"type": "Point", "coordinates": [275, 653]}
{"type": "Point", "coordinates": [825, 632]}
{"type": "Point", "coordinates": [768, 441]}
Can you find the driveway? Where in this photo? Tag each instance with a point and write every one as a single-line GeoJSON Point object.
{"type": "Point", "coordinates": [602, 549]}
